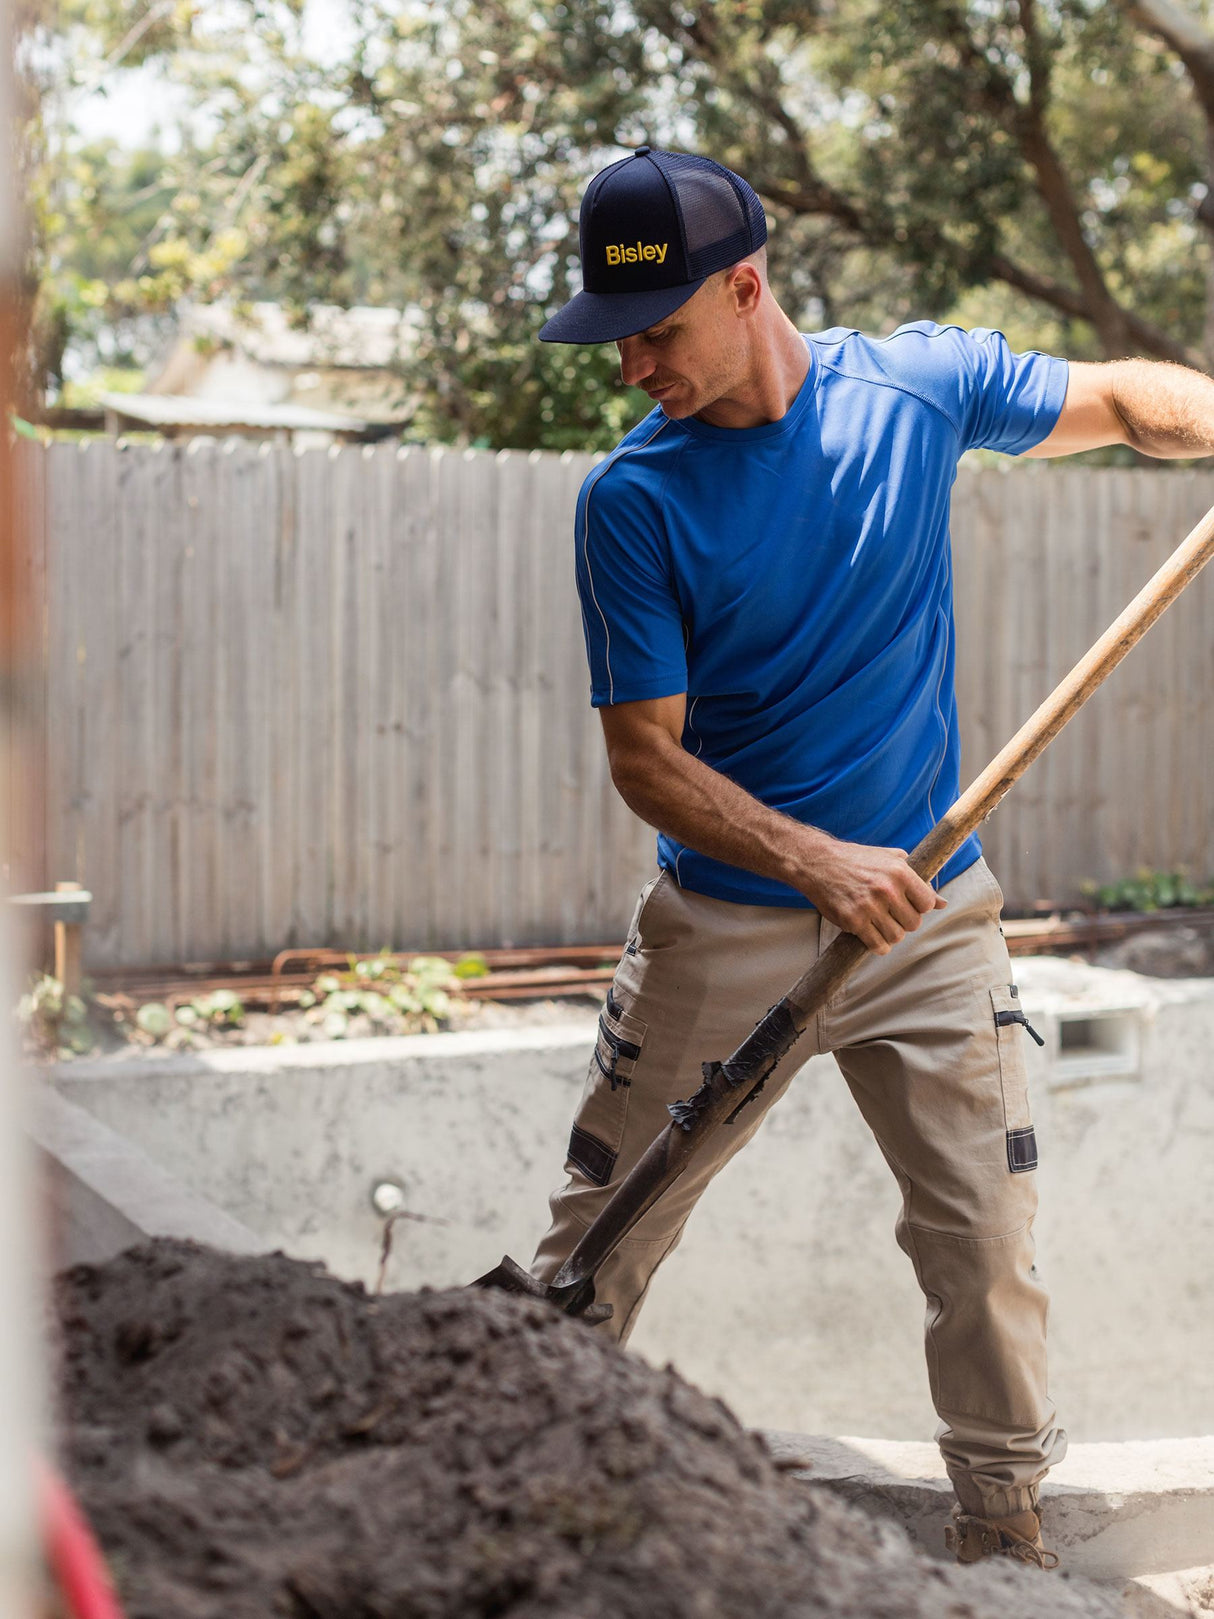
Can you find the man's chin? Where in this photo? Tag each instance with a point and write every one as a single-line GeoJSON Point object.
{"type": "Point", "coordinates": [676, 404]}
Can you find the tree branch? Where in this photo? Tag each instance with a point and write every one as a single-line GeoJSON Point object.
{"type": "Point", "coordinates": [762, 90]}
{"type": "Point", "coordinates": [1150, 339]}
{"type": "Point", "coordinates": [1194, 45]}
{"type": "Point", "coordinates": [816, 198]}
{"type": "Point", "coordinates": [1027, 122]}
{"type": "Point", "coordinates": [1184, 33]}
{"type": "Point", "coordinates": [827, 203]}
{"type": "Point", "coordinates": [1118, 328]}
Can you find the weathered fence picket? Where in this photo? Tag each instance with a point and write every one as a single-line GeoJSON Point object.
{"type": "Point", "coordinates": [340, 697]}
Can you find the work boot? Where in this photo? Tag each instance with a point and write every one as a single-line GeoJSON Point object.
{"type": "Point", "coordinates": [1019, 1536]}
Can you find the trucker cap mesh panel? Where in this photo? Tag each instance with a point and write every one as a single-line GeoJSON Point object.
{"type": "Point", "coordinates": [722, 218]}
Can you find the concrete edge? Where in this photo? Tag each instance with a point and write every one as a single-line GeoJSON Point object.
{"type": "Point", "coordinates": [1113, 1510]}
{"type": "Point", "coordinates": [1055, 984]}
{"type": "Point", "coordinates": [254, 1060]}
{"type": "Point", "coordinates": [108, 1194]}
{"type": "Point", "coordinates": [1061, 987]}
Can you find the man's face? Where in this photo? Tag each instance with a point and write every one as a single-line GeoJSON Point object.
{"type": "Point", "coordinates": [690, 360]}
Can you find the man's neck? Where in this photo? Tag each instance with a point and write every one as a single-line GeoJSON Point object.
{"type": "Point", "coordinates": [781, 366]}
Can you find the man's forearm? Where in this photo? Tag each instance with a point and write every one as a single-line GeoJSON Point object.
{"type": "Point", "coordinates": [1168, 410]}
{"type": "Point", "coordinates": [697, 805]}
{"type": "Point", "coordinates": [869, 891]}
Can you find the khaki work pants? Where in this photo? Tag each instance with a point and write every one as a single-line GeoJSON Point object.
{"type": "Point", "coordinates": [928, 1040]}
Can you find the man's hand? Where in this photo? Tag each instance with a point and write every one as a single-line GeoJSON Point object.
{"type": "Point", "coordinates": [871, 892]}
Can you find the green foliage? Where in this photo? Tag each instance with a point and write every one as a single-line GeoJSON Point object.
{"type": "Point", "coordinates": [471, 965]}
{"type": "Point", "coordinates": [216, 1012]}
{"type": "Point", "coordinates": [155, 1019]}
{"type": "Point", "coordinates": [54, 1023]}
{"type": "Point", "coordinates": [1149, 890]}
{"type": "Point", "coordinates": [1043, 168]}
{"type": "Point", "coordinates": [221, 1009]}
{"type": "Point", "coordinates": [396, 999]}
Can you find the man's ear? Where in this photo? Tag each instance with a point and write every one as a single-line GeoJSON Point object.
{"type": "Point", "coordinates": [745, 288]}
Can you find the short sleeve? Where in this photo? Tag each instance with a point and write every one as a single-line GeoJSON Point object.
{"type": "Point", "coordinates": [998, 399]}
{"type": "Point", "coordinates": [1015, 399]}
{"type": "Point", "coordinates": [630, 610]}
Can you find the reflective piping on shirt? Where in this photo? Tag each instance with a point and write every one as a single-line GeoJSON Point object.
{"type": "Point", "coordinates": [699, 750]}
{"type": "Point", "coordinates": [677, 858]}
{"type": "Point", "coordinates": [610, 462]}
{"type": "Point", "coordinates": [691, 715]}
{"type": "Point", "coordinates": [943, 726]}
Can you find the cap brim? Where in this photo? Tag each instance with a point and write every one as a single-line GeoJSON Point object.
{"type": "Point", "coordinates": [604, 317]}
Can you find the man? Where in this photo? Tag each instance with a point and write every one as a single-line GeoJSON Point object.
{"type": "Point", "coordinates": [765, 578]}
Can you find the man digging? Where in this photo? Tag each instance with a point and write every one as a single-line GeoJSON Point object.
{"type": "Point", "coordinates": [765, 577]}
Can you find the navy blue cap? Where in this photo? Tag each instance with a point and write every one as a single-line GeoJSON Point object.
{"type": "Point", "coordinates": [653, 228]}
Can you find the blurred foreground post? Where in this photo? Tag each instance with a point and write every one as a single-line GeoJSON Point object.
{"type": "Point", "coordinates": [21, 1427]}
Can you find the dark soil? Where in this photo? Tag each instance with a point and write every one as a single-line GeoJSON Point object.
{"type": "Point", "coordinates": [252, 1438]}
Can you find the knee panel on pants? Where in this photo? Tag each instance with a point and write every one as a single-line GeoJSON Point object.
{"type": "Point", "coordinates": [986, 1317]}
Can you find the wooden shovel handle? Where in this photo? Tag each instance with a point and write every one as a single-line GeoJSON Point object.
{"type": "Point", "coordinates": [727, 1085]}
{"type": "Point", "coordinates": [1034, 736]}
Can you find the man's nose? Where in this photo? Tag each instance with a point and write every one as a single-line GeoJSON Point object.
{"type": "Point", "coordinates": [636, 363]}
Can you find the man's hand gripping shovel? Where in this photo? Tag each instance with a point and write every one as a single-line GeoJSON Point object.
{"type": "Point", "coordinates": [728, 1086]}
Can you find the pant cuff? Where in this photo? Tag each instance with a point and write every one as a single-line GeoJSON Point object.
{"type": "Point", "coordinates": [984, 1500]}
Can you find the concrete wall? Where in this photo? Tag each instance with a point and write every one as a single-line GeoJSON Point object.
{"type": "Point", "coordinates": [788, 1297]}
{"type": "Point", "coordinates": [102, 1194]}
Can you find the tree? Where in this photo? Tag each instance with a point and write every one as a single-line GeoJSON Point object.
{"type": "Point", "coordinates": [1043, 165]}
{"type": "Point", "coordinates": [1056, 151]}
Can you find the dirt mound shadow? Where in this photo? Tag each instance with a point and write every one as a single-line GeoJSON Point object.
{"type": "Point", "coordinates": [252, 1438]}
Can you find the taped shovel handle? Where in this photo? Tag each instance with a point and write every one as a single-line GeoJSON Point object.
{"type": "Point", "coordinates": [729, 1084]}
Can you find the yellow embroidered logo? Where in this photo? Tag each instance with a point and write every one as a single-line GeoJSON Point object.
{"type": "Point", "coordinates": [638, 251]}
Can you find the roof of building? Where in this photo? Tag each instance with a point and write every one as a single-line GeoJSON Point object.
{"type": "Point", "coordinates": [178, 410]}
{"type": "Point", "coordinates": [361, 338]}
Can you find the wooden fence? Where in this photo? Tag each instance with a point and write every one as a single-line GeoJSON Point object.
{"type": "Point", "coordinates": [340, 697]}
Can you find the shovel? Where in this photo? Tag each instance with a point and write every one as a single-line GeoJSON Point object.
{"type": "Point", "coordinates": [728, 1086]}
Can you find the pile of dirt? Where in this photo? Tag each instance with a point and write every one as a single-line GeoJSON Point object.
{"type": "Point", "coordinates": [252, 1438]}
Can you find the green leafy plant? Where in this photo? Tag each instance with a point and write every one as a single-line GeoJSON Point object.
{"type": "Point", "coordinates": [1149, 890]}
{"type": "Point", "coordinates": [221, 1009]}
{"type": "Point", "coordinates": [155, 1019]}
{"type": "Point", "coordinates": [394, 998]}
{"type": "Point", "coordinates": [54, 1022]}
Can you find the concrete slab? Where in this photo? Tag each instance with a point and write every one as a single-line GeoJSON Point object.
{"type": "Point", "coordinates": [1188, 1592]}
{"type": "Point", "coordinates": [1114, 1511]}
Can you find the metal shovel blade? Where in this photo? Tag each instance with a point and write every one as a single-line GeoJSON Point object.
{"type": "Point", "coordinates": [574, 1298]}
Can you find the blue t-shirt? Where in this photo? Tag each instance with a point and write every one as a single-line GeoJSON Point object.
{"type": "Point", "coordinates": [795, 581]}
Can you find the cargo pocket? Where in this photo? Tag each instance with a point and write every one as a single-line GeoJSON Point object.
{"type": "Point", "coordinates": [642, 932]}
{"type": "Point", "coordinates": [1010, 1028]}
{"type": "Point", "coordinates": [599, 1127]}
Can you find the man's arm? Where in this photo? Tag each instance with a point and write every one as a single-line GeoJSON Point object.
{"type": "Point", "coordinates": [1160, 409]}
{"type": "Point", "coordinates": [871, 892]}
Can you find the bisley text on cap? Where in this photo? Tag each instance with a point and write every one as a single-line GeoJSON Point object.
{"type": "Point", "coordinates": [622, 254]}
